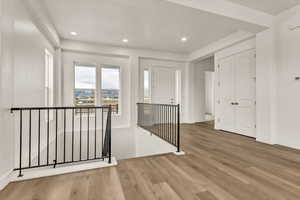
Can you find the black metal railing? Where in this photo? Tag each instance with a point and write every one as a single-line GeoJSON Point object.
{"type": "Point", "coordinates": [162, 120]}
{"type": "Point", "coordinates": [50, 136]}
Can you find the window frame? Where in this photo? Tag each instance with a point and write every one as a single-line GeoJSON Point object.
{"type": "Point", "coordinates": [111, 66]}
{"type": "Point", "coordinates": [98, 88]}
{"type": "Point", "coordinates": [49, 78]}
{"type": "Point", "coordinates": [80, 64]}
{"type": "Point", "coordinates": [49, 82]}
{"type": "Point", "coordinates": [149, 84]}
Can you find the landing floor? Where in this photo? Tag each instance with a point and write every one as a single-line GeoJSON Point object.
{"type": "Point", "coordinates": [217, 166]}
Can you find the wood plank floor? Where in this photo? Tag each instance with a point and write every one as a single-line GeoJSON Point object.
{"type": "Point", "coordinates": [217, 166]}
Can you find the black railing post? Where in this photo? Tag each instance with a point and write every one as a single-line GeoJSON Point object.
{"type": "Point", "coordinates": [56, 135]}
{"type": "Point", "coordinates": [109, 133]}
{"type": "Point", "coordinates": [48, 128]}
{"type": "Point", "coordinates": [178, 128]}
{"type": "Point", "coordinates": [39, 137]}
{"type": "Point", "coordinates": [162, 120]}
{"type": "Point", "coordinates": [21, 132]}
{"type": "Point", "coordinates": [64, 135]}
{"type": "Point", "coordinates": [95, 136]}
{"type": "Point", "coordinates": [73, 124]}
{"type": "Point", "coordinates": [29, 159]}
{"type": "Point", "coordinates": [88, 136]}
{"type": "Point", "coordinates": [44, 131]}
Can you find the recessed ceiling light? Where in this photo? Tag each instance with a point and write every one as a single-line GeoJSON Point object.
{"type": "Point", "coordinates": [73, 33]}
{"type": "Point", "coordinates": [183, 39]}
{"type": "Point", "coordinates": [125, 40]}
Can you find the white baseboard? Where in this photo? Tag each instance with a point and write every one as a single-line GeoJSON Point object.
{"type": "Point", "coordinates": [5, 179]}
{"type": "Point", "coordinates": [44, 172]}
{"type": "Point", "coordinates": [181, 153]}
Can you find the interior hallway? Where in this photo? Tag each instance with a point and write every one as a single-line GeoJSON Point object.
{"type": "Point", "coordinates": [216, 166]}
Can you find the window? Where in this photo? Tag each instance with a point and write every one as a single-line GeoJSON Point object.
{"type": "Point", "coordinates": [49, 92]}
{"type": "Point", "coordinates": [147, 94]}
{"type": "Point", "coordinates": [49, 97]}
{"type": "Point", "coordinates": [85, 85]}
{"type": "Point", "coordinates": [110, 87]}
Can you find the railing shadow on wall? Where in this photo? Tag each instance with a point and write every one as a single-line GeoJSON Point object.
{"type": "Point", "coordinates": [51, 136]}
{"type": "Point", "coordinates": [162, 120]}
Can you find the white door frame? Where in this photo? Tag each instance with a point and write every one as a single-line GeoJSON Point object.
{"type": "Point", "coordinates": [236, 49]}
{"type": "Point", "coordinates": [178, 81]}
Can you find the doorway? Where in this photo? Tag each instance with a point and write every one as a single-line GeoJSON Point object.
{"type": "Point", "coordinates": [162, 85]}
{"type": "Point", "coordinates": [203, 91]}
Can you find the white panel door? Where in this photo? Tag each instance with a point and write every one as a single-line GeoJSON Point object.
{"type": "Point", "coordinates": [226, 88]}
{"type": "Point", "coordinates": [245, 93]}
{"type": "Point", "coordinates": [163, 85]}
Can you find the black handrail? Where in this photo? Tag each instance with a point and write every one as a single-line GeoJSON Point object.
{"type": "Point", "coordinates": [162, 120]}
{"type": "Point", "coordinates": [44, 127]}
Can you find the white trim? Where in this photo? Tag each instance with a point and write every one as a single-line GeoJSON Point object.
{"type": "Point", "coordinates": [229, 9]}
{"type": "Point", "coordinates": [236, 49]}
{"type": "Point", "coordinates": [108, 50]}
{"type": "Point", "coordinates": [181, 153]}
{"type": "Point", "coordinates": [218, 45]}
{"type": "Point", "coordinates": [45, 172]}
{"type": "Point", "coordinates": [120, 99]}
{"type": "Point", "coordinates": [5, 179]}
{"type": "Point", "coordinates": [42, 21]}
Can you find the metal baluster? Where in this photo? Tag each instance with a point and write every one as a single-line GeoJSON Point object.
{"type": "Point", "coordinates": [138, 114]}
{"type": "Point", "coordinates": [21, 137]}
{"type": "Point", "coordinates": [95, 133]}
{"type": "Point", "coordinates": [29, 138]}
{"type": "Point", "coordinates": [173, 125]}
{"type": "Point", "coordinates": [156, 120]}
{"type": "Point", "coordinates": [159, 130]}
{"type": "Point", "coordinates": [73, 134]}
{"type": "Point", "coordinates": [64, 135]}
{"type": "Point", "coordinates": [178, 128]}
{"type": "Point", "coordinates": [109, 132]}
{"type": "Point", "coordinates": [88, 135]}
{"type": "Point", "coordinates": [48, 121]}
{"type": "Point", "coordinates": [56, 134]}
{"type": "Point", "coordinates": [171, 118]}
{"type": "Point", "coordinates": [39, 139]}
{"type": "Point", "coordinates": [102, 130]}
{"type": "Point", "coordinates": [80, 132]}
{"type": "Point", "coordinates": [168, 123]}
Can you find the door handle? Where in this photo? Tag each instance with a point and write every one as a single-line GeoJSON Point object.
{"type": "Point", "coordinates": [234, 103]}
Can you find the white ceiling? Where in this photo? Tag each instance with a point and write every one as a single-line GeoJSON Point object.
{"type": "Point", "coordinates": [272, 7]}
{"type": "Point", "coordinates": [148, 24]}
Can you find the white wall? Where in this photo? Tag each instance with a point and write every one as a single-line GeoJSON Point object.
{"type": "Point", "coordinates": [199, 104]}
{"type": "Point", "coordinates": [6, 92]}
{"type": "Point", "coordinates": [126, 139]}
{"type": "Point", "coordinates": [147, 63]}
{"type": "Point", "coordinates": [209, 95]}
{"type": "Point", "coordinates": [29, 61]}
{"type": "Point", "coordinates": [277, 90]}
{"type": "Point", "coordinates": [29, 76]}
{"type": "Point", "coordinates": [123, 137]}
{"type": "Point", "coordinates": [231, 50]}
{"type": "Point", "coordinates": [22, 71]}
{"type": "Point", "coordinates": [288, 61]}
{"type": "Point", "coordinates": [149, 144]}
{"type": "Point", "coordinates": [119, 121]}
{"type": "Point", "coordinates": [266, 87]}
{"type": "Point", "coordinates": [277, 65]}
